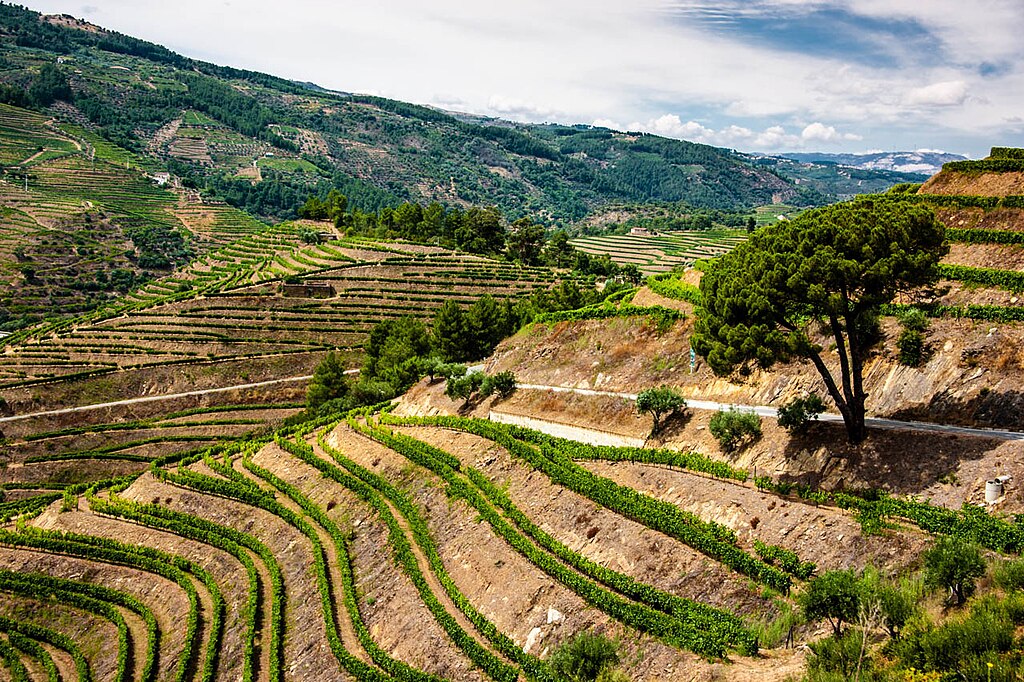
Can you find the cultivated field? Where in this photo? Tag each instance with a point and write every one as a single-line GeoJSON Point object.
{"type": "Point", "coordinates": [658, 254]}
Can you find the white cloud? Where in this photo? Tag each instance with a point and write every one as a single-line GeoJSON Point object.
{"type": "Point", "coordinates": [946, 94]}
{"type": "Point", "coordinates": [519, 110]}
{"type": "Point", "coordinates": [819, 132]}
{"type": "Point", "coordinates": [772, 138]}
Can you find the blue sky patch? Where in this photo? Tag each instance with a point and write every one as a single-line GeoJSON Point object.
{"type": "Point", "coordinates": [830, 32]}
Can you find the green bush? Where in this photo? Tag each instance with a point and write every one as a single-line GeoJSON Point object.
{"type": "Point", "coordinates": [910, 347]}
{"type": "Point", "coordinates": [953, 564]}
{"type": "Point", "coordinates": [786, 559]}
{"type": "Point", "coordinates": [837, 654]}
{"type": "Point", "coordinates": [465, 386]}
{"type": "Point", "coordinates": [584, 657]}
{"type": "Point", "coordinates": [904, 188]}
{"type": "Point", "coordinates": [734, 428]}
{"type": "Point", "coordinates": [913, 318]}
{"type": "Point", "coordinates": [1009, 575]}
{"type": "Point", "coordinates": [502, 384]}
{"type": "Point", "coordinates": [796, 415]}
{"type": "Point", "coordinates": [965, 645]}
{"type": "Point", "coordinates": [1006, 153]}
{"type": "Point", "coordinates": [911, 341]}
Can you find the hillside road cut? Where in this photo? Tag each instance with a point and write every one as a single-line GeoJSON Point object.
{"type": "Point", "coordinates": [760, 410]}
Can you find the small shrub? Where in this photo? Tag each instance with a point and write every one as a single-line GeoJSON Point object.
{"type": "Point", "coordinates": [911, 341]}
{"type": "Point", "coordinates": [833, 595]}
{"type": "Point", "coordinates": [1009, 575]}
{"type": "Point", "coordinates": [796, 415]}
{"type": "Point", "coordinates": [733, 428]}
{"type": "Point", "coordinates": [786, 559]}
{"type": "Point", "coordinates": [585, 658]}
{"type": "Point", "coordinates": [910, 345]}
{"type": "Point", "coordinates": [838, 654]}
{"type": "Point", "coordinates": [914, 318]}
{"type": "Point", "coordinates": [502, 384]}
{"type": "Point", "coordinates": [465, 386]}
{"type": "Point", "coordinates": [953, 564]}
{"type": "Point", "coordinates": [966, 645]}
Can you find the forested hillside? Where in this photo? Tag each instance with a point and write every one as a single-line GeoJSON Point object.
{"type": "Point", "coordinates": [264, 144]}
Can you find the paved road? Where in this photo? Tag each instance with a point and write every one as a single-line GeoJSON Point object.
{"type": "Point", "coordinates": [761, 410]}
{"type": "Point", "coordinates": [765, 411]}
{"type": "Point", "coordinates": [155, 398]}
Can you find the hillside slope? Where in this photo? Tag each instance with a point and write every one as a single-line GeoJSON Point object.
{"type": "Point", "coordinates": [264, 143]}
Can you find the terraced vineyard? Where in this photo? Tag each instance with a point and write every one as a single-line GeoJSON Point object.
{"type": "Point", "coordinates": [661, 253]}
{"type": "Point", "coordinates": [373, 548]}
{"type": "Point", "coordinates": [234, 320]}
{"type": "Point", "coordinates": [73, 209]}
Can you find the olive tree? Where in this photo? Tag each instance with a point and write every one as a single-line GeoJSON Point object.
{"type": "Point", "coordinates": [830, 269]}
{"type": "Point", "coordinates": [659, 401]}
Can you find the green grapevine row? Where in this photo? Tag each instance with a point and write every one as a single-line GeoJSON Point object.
{"type": "Point", "coordinates": [711, 539]}
{"type": "Point", "coordinates": [689, 624]}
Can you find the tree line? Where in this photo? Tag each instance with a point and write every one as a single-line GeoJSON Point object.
{"type": "Point", "coordinates": [399, 352]}
{"type": "Point", "coordinates": [476, 229]}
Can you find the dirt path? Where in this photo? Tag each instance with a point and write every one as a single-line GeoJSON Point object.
{"type": "Point", "coordinates": [61, 659]}
{"type": "Point", "coordinates": [773, 413]}
{"type": "Point", "coordinates": [153, 398]}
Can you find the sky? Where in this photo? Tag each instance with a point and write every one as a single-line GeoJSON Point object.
{"type": "Point", "coordinates": [753, 75]}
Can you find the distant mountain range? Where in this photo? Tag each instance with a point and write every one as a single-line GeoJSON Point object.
{"type": "Point", "coordinates": [922, 161]}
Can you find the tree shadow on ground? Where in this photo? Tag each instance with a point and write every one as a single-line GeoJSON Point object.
{"type": "Point", "coordinates": [986, 409]}
{"type": "Point", "coordinates": [673, 426]}
{"type": "Point", "coordinates": [901, 462]}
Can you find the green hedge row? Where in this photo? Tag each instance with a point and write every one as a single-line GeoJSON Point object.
{"type": "Point", "coordinates": [968, 236]}
{"type": "Point", "coordinates": [55, 639]}
{"type": "Point", "coordinates": [670, 286]}
{"type": "Point", "coordinates": [394, 667]}
{"type": "Point", "coordinates": [958, 201]}
{"type": "Point", "coordinates": [44, 584]}
{"type": "Point", "coordinates": [193, 528]}
{"type": "Point", "coordinates": [374, 493]}
{"type": "Point", "coordinates": [786, 559]}
{"type": "Point", "coordinates": [33, 649]}
{"type": "Point", "coordinates": [664, 317]}
{"type": "Point", "coordinates": [18, 671]}
{"type": "Point", "coordinates": [692, 461]}
{"type": "Point", "coordinates": [1005, 279]}
{"type": "Point", "coordinates": [243, 489]}
{"type": "Point", "coordinates": [689, 624]}
{"type": "Point", "coordinates": [58, 593]}
{"type": "Point", "coordinates": [711, 539]}
{"type": "Point", "coordinates": [988, 313]}
{"type": "Point", "coordinates": [1006, 153]}
{"type": "Point", "coordinates": [994, 165]}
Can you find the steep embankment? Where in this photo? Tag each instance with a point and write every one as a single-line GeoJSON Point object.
{"type": "Point", "coordinates": [973, 377]}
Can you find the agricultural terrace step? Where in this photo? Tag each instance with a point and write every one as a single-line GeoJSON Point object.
{"type": "Point", "coordinates": [170, 396]}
